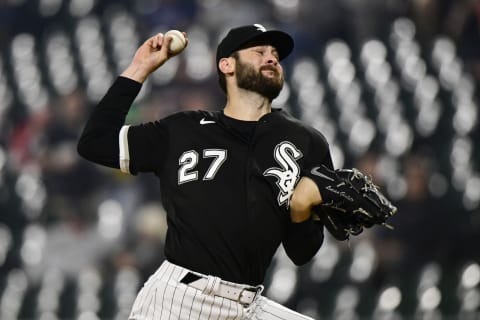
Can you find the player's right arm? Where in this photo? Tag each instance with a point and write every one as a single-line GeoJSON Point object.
{"type": "Point", "coordinates": [105, 139]}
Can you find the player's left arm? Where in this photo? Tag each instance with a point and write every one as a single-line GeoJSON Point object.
{"type": "Point", "coordinates": [306, 195]}
{"type": "Point", "coordinates": [305, 236]}
{"type": "Point", "coordinates": [302, 241]}
{"type": "Point", "coordinates": [306, 233]}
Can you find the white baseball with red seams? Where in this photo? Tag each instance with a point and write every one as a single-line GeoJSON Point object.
{"type": "Point", "coordinates": [178, 41]}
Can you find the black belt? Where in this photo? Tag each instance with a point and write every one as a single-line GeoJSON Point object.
{"type": "Point", "coordinates": [190, 277]}
{"type": "Point", "coordinates": [213, 285]}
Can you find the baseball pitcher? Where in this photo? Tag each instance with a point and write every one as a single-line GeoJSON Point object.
{"type": "Point", "coordinates": [228, 180]}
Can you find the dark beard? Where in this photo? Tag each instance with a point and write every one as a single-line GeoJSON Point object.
{"type": "Point", "coordinates": [249, 79]}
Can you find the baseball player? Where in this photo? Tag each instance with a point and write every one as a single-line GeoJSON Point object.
{"type": "Point", "coordinates": [227, 180]}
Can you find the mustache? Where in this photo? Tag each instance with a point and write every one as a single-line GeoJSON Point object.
{"type": "Point", "coordinates": [269, 68]}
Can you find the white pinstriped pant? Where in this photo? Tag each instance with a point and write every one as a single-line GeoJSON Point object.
{"type": "Point", "coordinates": [164, 297]}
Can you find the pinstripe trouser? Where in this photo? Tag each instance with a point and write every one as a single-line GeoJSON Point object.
{"type": "Point", "coordinates": [164, 297]}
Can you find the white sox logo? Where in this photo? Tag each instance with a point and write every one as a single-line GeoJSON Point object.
{"type": "Point", "coordinates": [260, 27]}
{"type": "Point", "coordinates": [286, 155]}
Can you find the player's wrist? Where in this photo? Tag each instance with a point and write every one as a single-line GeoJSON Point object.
{"type": "Point", "coordinates": [136, 72]}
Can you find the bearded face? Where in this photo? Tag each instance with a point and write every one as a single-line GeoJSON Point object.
{"type": "Point", "coordinates": [250, 79]}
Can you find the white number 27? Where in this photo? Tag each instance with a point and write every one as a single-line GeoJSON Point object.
{"type": "Point", "coordinates": [189, 160]}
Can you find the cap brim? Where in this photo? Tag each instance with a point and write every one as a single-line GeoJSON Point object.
{"type": "Point", "coordinates": [278, 39]}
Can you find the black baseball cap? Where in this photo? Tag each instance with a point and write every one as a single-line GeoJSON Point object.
{"type": "Point", "coordinates": [241, 37]}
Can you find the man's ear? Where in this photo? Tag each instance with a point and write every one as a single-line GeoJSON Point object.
{"type": "Point", "coordinates": [226, 65]}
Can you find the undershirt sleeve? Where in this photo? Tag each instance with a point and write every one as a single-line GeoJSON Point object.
{"type": "Point", "coordinates": [106, 140]}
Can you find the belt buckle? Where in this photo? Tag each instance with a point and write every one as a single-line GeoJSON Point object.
{"type": "Point", "coordinates": [239, 299]}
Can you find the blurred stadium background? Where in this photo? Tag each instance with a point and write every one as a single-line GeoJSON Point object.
{"type": "Point", "coordinates": [393, 84]}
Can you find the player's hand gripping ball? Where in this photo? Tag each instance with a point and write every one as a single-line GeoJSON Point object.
{"type": "Point", "coordinates": [178, 42]}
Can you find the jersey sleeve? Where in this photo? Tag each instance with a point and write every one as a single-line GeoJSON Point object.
{"type": "Point", "coordinates": [303, 240]}
{"type": "Point", "coordinates": [319, 151]}
{"type": "Point", "coordinates": [106, 140]}
{"type": "Point", "coordinates": [144, 147]}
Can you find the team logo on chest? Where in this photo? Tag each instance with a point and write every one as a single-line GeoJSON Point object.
{"type": "Point", "coordinates": [286, 155]}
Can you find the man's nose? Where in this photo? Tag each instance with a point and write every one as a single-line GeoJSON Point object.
{"type": "Point", "coordinates": [272, 59]}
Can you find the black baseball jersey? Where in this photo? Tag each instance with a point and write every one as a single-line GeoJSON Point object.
{"type": "Point", "coordinates": [225, 183]}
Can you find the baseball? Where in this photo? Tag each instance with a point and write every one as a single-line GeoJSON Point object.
{"type": "Point", "coordinates": [178, 41]}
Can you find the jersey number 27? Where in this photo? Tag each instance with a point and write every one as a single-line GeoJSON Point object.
{"type": "Point", "coordinates": [188, 161]}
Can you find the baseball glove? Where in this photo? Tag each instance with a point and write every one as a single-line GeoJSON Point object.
{"type": "Point", "coordinates": [350, 201]}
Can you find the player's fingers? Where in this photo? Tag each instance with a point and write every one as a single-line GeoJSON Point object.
{"type": "Point", "coordinates": [149, 42]}
{"type": "Point", "coordinates": [157, 40]}
{"type": "Point", "coordinates": [165, 44]}
{"type": "Point", "coordinates": [154, 42]}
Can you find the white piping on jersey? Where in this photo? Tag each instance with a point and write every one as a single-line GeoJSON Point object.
{"type": "Point", "coordinates": [124, 153]}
